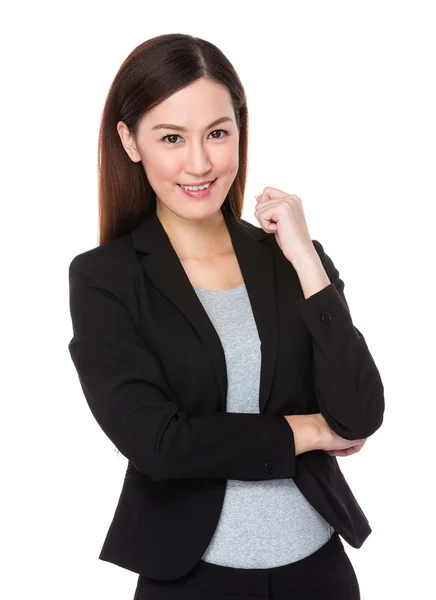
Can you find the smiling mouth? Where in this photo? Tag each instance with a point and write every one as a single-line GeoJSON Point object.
{"type": "Point", "coordinates": [213, 181]}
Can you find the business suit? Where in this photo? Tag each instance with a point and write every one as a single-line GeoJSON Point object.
{"type": "Point", "coordinates": [153, 372]}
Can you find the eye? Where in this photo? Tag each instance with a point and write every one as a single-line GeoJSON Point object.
{"type": "Point", "coordinates": [175, 135]}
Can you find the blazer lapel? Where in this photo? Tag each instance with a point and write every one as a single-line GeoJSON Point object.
{"type": "Point", "coordinates": [164, 269]}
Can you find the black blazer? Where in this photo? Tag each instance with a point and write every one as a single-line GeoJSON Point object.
{"type": "Point", "coordinates": [153, 372]}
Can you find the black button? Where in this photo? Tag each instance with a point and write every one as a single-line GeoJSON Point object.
{"type": "Point", "coordinates": [270, 467]}
{"type": "Point", "coordinates": [326, 317]}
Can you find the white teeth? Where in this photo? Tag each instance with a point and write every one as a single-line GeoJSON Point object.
{"type": "Point", "coordinates": [196, 187]}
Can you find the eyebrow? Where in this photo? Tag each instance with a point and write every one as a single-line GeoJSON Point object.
{"type": "Point", "coordinates": [179, 128]}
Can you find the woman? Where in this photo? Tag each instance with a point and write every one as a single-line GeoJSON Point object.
{"type": "Point", "coordinates": [219, 357]}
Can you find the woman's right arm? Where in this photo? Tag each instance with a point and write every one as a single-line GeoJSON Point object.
{"type": "Point", "coordinates": [130, 397]}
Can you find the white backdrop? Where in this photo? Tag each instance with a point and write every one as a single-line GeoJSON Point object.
{"type": "Point", "coordinates": [341, 100]}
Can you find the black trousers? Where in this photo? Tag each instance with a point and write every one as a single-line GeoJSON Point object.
{"type": "Point", "coordinates": [326, 574]}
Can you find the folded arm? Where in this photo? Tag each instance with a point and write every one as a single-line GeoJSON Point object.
{"type": "Point", "coordinates": [128, 395]}
{"type": "Point", "coordinates": [347, 382]}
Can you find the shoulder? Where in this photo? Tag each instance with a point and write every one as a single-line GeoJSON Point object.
{"type": "Point", "coordinates": [251, 226]}
{"type": "Point", "coordinates": [116, 259]}
{"type": "Point", "coordinates": [254, 230]}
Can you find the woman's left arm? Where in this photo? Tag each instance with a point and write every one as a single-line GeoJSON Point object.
{"type": "Point", "coordinates": [348, 385]}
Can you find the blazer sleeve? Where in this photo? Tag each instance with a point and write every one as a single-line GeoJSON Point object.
{"type": "Point", "coordinates": [128, 395]}
{"type": "Point", "coordinates": [347, 382]}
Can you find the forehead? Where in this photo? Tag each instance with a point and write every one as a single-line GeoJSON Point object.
{"type": "Point", "coordinates": [196, 106]}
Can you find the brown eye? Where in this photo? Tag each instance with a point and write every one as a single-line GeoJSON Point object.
{"type": "Point", "coordinates": [223, 130]}
{"type": "Point", "coordinates": [175, 135]}
{"type": "Point", "coordinates": [171, 135]}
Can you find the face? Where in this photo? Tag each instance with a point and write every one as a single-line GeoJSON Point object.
{"type": "Point", "coordinates": [200, 152]}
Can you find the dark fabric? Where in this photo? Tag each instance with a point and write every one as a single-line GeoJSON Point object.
{"type": "Point", "coordinates": [153, 371]}
{"type": "Point", "coordinates": [326, 574]}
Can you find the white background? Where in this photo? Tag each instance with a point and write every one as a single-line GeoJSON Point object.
{"type": "Point", "coordinates": [341, 99]}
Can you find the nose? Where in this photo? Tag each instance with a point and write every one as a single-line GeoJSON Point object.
{"type": "Point", "coordinates": [197, 161]}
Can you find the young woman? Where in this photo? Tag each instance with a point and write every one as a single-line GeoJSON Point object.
{"type": "Point", "coordinates": [218, 356]}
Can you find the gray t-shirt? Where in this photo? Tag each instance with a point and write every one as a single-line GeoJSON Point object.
{"type": "Point", "coordinates": [263, 524]}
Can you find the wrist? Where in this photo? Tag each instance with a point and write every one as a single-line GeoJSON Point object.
{"type": "Point", "coordinates": [324, 431]}
{"type": "Point", "coordinates": [307, 430]}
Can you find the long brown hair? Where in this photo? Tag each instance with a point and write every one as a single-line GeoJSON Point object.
{"type": "Point", "coordinates": [152, 72]}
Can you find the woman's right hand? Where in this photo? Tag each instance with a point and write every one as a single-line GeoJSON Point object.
{"type": "Point", "coordinates": [331, 441]}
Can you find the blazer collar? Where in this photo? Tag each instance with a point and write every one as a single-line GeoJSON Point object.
{"type": "Point", "coordinates": [163, 268]}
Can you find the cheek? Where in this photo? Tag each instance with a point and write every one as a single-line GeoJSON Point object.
{"type": "Point", "coordinates": [228, 161]}
{"type": "Point", "coordinates": [161, 165]}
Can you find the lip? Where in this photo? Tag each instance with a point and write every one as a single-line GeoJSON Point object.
{"type": "Point", "coordinates": [199, 193]}
{"type": "Point", "coordinates": [201, 183]}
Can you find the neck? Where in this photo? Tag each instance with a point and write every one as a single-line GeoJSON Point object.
{"type": "Point", "coordinates": [196, 239]}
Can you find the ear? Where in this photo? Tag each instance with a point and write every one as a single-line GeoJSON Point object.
{"type": "Point", "coordinates": [128, 141]}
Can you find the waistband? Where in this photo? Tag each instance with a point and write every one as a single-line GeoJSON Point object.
{"type": "Point", "coordinates": [231, 580]}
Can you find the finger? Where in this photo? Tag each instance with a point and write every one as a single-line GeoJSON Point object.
{"type": "Point", "coordinates": [345, 451]}
{"type": "Point", "coordinates": [274, 192]}
{"type": "Point", "coordinates": [261, 198]}
{"type": "Point", "coordinates": [352, 450]}
{"type": "Point", "coordinates": [266, 203]}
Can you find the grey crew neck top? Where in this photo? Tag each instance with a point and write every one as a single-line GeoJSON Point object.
{"type": "Point", "coordinates": [263, 524]}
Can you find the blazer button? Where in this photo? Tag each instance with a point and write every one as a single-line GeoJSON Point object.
{"type": "Point", "coordinates": [270, 467]}
{"type": "Point", "coordinates": [326, 317]}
